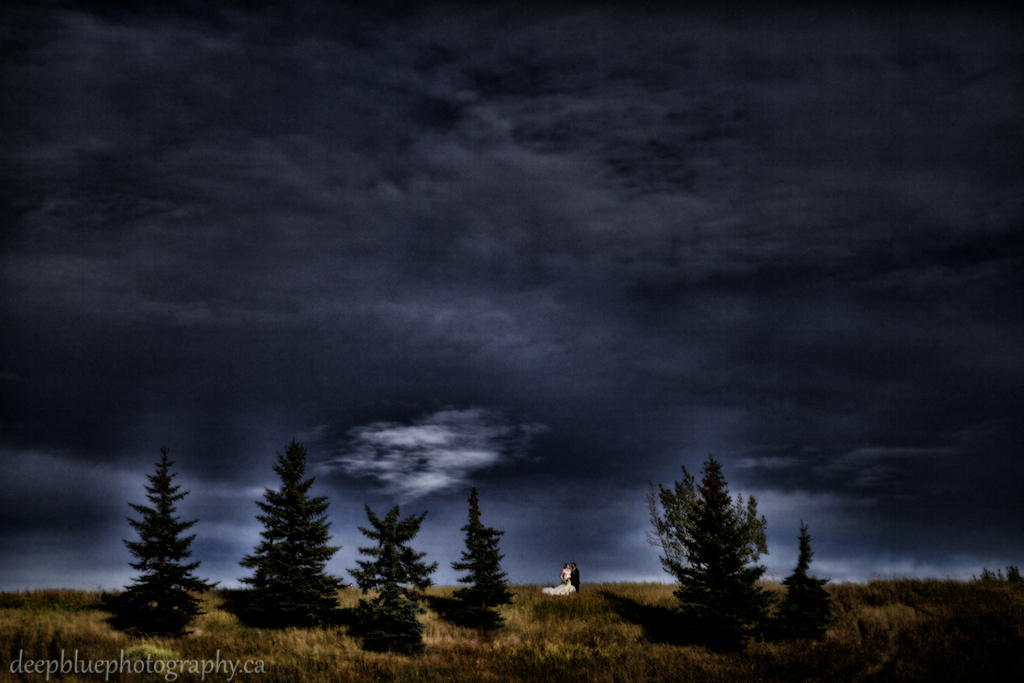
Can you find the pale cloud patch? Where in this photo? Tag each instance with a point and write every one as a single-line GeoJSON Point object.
{"type": "Point", "coordinates": [435, 452]}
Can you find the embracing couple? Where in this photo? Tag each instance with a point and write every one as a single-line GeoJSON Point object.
{"type": "Point", "coordinates": [570, 581]}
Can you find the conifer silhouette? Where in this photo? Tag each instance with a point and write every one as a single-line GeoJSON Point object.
{"type": "Point", "coordinates": [710, 545]}
{"type": "Point", "coordinates": [487, 587]}
{"type": "Point", "coordinates": [389, 622]}
{"type": "Point", "coordinates": [290, 586]}
{"type": "Point", "coordinates": [806, 610]}
{"type": "Point", "coordinates": [161, 600]}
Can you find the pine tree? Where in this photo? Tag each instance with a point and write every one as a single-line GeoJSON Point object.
{"type": "Point", "coordinates": [390, 621]}
{"type": "Point", "coordinates": [290, 586]}
{"type": "Point", "coordinates": [161, 601]}
{"type": "Point", "coordinates": [710, 545]}
{"type": "Point", "coordinates": [487, 585]}
{"type": "Point", "coordinates": [806, 610]}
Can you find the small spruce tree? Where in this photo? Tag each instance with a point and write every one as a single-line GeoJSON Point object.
{"type": "Point", "coordinates": [806, 610]}
{"type": "Point", "coordinates": [710, 545]}
{"type": "Point", "coordinates": [290, 586]}
{"type": "Point", "coordinates": [162, 599]}
{"type": "Point", "coordinates": [389, 622]}
{"type": "Point", "coordinates": [487, 587]}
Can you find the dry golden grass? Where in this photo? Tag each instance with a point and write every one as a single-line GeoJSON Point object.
{"type": "Point", "coordinates": [900, 630]}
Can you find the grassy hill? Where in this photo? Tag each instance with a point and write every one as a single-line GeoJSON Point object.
{"type": "Point", "coordinates": [897, 630]}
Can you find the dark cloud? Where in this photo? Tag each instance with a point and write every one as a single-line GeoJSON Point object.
{"type": "Point", "coordinates": [410, 236]}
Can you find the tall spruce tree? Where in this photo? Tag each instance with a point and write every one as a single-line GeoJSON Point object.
{"type": "Point", "coordinates": [162, 599]}
{"type": "Point", "coordinates": [710, 545]}
{"type": "Point", "coordinates": [487, 587]}
{"type": "Point", "coordinates": [389, 622]}
{"type": "Point", "coordinates": [806, 611]}
{"type": "Point", "coordinates": [290, 586]}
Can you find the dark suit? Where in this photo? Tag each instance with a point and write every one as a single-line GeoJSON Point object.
{"type": "Point", "coordinates": [574, 579]}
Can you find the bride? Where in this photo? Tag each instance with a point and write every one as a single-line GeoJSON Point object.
{"type": "Point", "coordinates": [563, 589]}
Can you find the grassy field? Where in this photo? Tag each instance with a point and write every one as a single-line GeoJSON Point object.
{"type": "Point", "coordinates": [898, 630]}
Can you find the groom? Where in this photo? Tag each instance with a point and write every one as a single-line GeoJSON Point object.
{"type": "Point", "coordinates": [574, 578]}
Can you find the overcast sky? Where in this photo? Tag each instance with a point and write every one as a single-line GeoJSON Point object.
{"type": "Point", "coordinates": [552, 254]}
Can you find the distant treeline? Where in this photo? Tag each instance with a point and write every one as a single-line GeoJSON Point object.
{"type": "Point", "coordinates": [709, 543]}
{"type": "Point", "coordinates": [289, 585]}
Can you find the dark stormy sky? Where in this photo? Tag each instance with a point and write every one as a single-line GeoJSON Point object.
{"type": "Point", "coordinates": [554, 253]}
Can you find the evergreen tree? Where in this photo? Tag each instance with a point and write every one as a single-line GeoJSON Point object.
{"type": "Point", "coordinates": [487, 585]}
{"type": "Point", "coordinates": [290, 586]}
{"type": "Point", "coordinates": [390, 621]}
{"type": "Point", "coordinates": [806, 610]}
{"type": "Point", "coordinates": [710, 545]}
{"type": "Point", "coordinates": [161, 601]}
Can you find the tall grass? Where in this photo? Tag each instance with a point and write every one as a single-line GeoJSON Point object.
{"type": "Point", "coordinates": [898, 630]}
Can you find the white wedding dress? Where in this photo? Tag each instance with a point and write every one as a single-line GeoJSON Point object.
{"type": "Point", "coordinates": [563, 589]}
